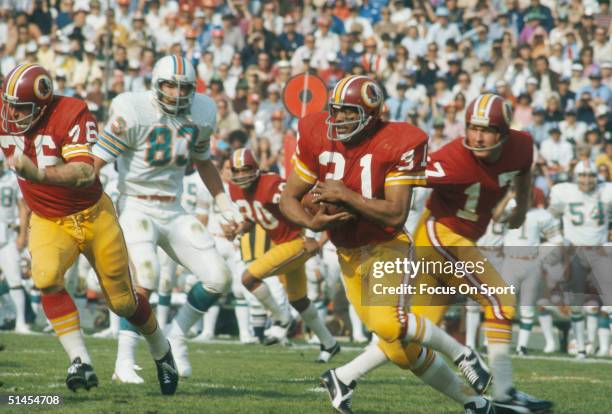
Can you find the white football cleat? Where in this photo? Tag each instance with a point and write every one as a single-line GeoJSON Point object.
{"type": "Point", "coordinates": [106, 333]}
{"type": "Point", "coordinates": [550, 348]}
{"type": "Point", "coordinates": [126, 374]}
{"type": "Point", "coordinates": [178, 344]}
{"type": "Point", "coordinates": [203, 338]}
{"type": "Point", "coordinates": [276, 334]}
{"type": "Point", "coordinates": [23, 330]}
{"type": "Point", "coordinates": [249, 339]}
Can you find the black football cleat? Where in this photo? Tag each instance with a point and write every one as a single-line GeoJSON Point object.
{"type": "Point", "coordinates": [482, 406]}
{"type": "Point", "coordinates": [339, 393]}
{"type": "Point", "coordinates": [81, 375]}
{"type": "Point", "coordinates": [474, 370]}
{"type": "Point", "coordinates": [167, 374]}
{"type": "Point", "coordinates": [327, 354]}
{"type": "Point", "coordinates": [522, 403]}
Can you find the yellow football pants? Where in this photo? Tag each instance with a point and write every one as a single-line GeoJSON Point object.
{"type": "Point", "coordinates": [55, 244]}
{"type": "Point", "coordinates": [387, 320]}
{"type": "Point", "coordinates": [437, 243]}
{"type": "Point", "coordinates": [287, 261]}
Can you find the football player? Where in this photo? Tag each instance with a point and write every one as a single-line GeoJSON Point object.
{"type": "Point", "coordinates": [47, 139]}
{"type": "Point", "coordinates": [257, 196]}
{"type": "Point", "coordinates": [524, 255]}
{"type": "Point", "coordinates": [153, 135]}
{"type": "Point", "coordinates": [12, 210]}
{"type": "Point", "coordinates": [370, 166]}
{"type": "Point", "coordinates": [585, 207]}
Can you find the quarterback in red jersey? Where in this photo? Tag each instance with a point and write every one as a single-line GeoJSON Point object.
{"type": "Point", "coordinates": [469, 176]}
{"type": "Point", "coordinates": [257, 196]}
{"type": "Point", "coordinates": [46, 139]}
{"type": "Point", "coordinates": [356, 159]}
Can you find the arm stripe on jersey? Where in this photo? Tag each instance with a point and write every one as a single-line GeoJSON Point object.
{"type": "Point", "coordinates": [114, 145]}
{"type": "Point", "coordinates": [107, 147]}
{"type": "Point", "coordinates": [303, 171]}
{"type": "Point", "coordinates": [114, 139]}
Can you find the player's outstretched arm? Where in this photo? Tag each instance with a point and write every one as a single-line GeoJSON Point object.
{"type": "Point", "coordinates": [392, 211]}
{"type": "Point", "coordinates": [74, 174]}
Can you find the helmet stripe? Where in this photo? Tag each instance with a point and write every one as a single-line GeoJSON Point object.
{"type": "Point", "coordinates": [484, 106]}
{"type": "Point", "coordinates": [11, 85]}
{"type": "Point", "coordinates": [238, 158]}
{"type": "Point", "coordinates": [338, 89]}
{"type": "Point", "coordinates": [179, 65]}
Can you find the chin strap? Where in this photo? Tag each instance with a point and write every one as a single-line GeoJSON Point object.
{"type": "Point", "coordinates": [476, 149]}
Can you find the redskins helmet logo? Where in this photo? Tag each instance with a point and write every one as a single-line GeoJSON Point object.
{"type": "Point", "coordinates": [42, 87]}
{"type": "Point", "coordinates": [371, 94]}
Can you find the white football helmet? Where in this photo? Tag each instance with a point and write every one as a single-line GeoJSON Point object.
{"type": "Point", "coordinates": [176, 70]}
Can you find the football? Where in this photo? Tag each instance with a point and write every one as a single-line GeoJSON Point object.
{"type": "Point", "coordinates": [308, 201]}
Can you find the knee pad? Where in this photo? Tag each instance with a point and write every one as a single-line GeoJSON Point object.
{"type": "Point", "coordinates": [47, 274]}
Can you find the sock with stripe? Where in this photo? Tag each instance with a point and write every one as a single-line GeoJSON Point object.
{"type": "Point", "coordinates": [603, 332]}
{"type": "Point", "coordinates": [264, 296]}
{"type": "Point", "coordinates": [64, 317]}
{"type": "Point", "coordinates": [439, 376]}
{"type": "Point", "coordinates": [371, 358]}
{"type": "Point", "coordinates": [423, 331]}
{"type": "Point", "coordinates": [199, 300]}
{"type": "Point", "coordinates": [145, 322]}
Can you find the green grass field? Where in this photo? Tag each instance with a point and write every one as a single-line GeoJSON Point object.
{"type": "Point", "coordinates": [232, 378]}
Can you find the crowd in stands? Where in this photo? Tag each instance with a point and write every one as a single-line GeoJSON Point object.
{"type": "Point", "coordinates": [551, 59]}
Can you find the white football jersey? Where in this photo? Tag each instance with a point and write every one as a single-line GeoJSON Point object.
{"type": "Point", "coordinates": [494, 236]}
{"type": "Point", "coordinates": [153, 147]}
{"type": "Point", "coordinates": [585, 216]}
{"type": "Point", "coordinates": [539, 225]}
{"type": "Point", "coordinates": [196, 198]}
{"type": "Point", "coordinates": [9, 195]}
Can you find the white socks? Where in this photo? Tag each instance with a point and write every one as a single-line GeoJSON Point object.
{"type": "Point", "coordinates": [472, 321]}
{"type": "Point", "coordinates": [546, 324]}
{"type": "Point", "coordinates": [242, 317]}
{"type": "Point", "coordinates": [74, 345]}
{"type": "Point", "coordinates": [264, 296]}
{"type": "Point", "coordinates": [158, 344]}
{"type": "Point", "coordinates": [371, 358]}
{"type": "Point", "coordinates": [442, 378]}
{"type": "Point", "coordinates": [501, 369]}
{"type": "Point", "coordinates": [184, 320]}
{"type": "Point", "coordinates": [433, 337]}
{"type": "Point", "coordinates": [18, 297]}
{"type": "Point", "coordinates": [311, 318]}
{"type": "Point", "coordinates": [210, 320]}
{"type": "Point", "coordinates": [126, 348]}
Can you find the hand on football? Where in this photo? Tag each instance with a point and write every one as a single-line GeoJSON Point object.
{"type": "Point", "coordinates": [331, 191]}
{"type": "Point", "coordinates": [25, 168]}
{"type": "Point", "coordinates": [322, 220]}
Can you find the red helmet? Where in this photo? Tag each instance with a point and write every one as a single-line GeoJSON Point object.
{"type": "Point", "coordinates": [26, 86]}
{"type": "Point", "coordinates": [358, 92]}
{"type": "Point", "coordinates": [241, 158]}
{"type": "Point", "coordinates": [489, 110]}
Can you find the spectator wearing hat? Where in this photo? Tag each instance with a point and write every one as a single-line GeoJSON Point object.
{"type": "Point", "coordinates": [88, 69]}
{"type": "Point", "coordinates": [603, 120]}
{"type": "Point", "coordinates": [537, 97]}
{"type": "Point", "coordinates": [538, 129]}
{"type": "Point", "coordinates": [557, 153]}
{"type": "Point", "coordinates": [544, 13]}
{"type": "Point", "coordinates": [600, 93]}
{"type": "Point", "coordinates": [442, 30]}
{"type": "Point", "coordinates": [577, 80]}
{"type": "Point", "coordinates": [290, 39]}
{"type": "Point", "coordinates": [133, 80]}
{"type": "Point", "coordinates": [354, 18]}
{"type": "Point", "coordinates": [139, 36]}
{"type": "Point", "coordinates": [222, 52]}
{"type": "Point", "coordinates": [437, 138]}
{"type": "Point", "coordinates": [567, 98]}
{"type": "Point", "coordinates": [272, 102]}
{"type": "Point", "coordinates": [484, 79]}
{"type": "Point", "coordinates": [254, 114]}
{"type": "Point", "coordinates": [60, 85]}
{"type": "Point", "coordinates": [572, 130]}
